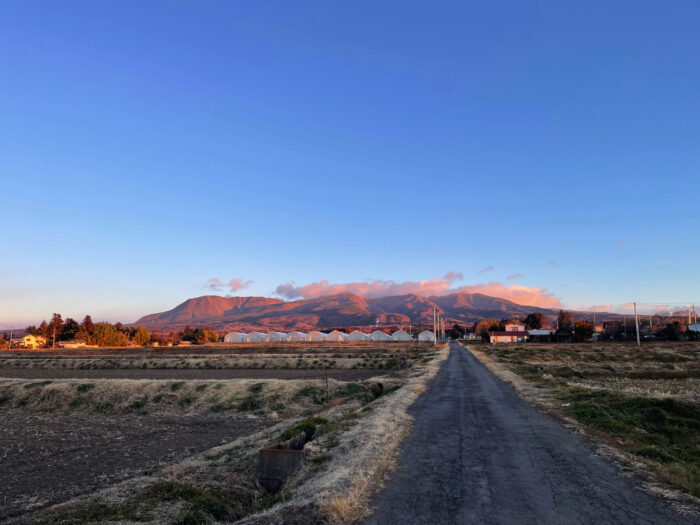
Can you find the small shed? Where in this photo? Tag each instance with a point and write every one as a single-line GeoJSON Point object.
{"type": "Point", "coordinates": [358, 336]}
{"type": "Point", "coordinates": [426, 336]}
{"type": "Point", "coordinates": [296, 337]}
{"type": "Point", "coordinates": [236, 337]}
{"type": "Point", "coordinates": [276, 337]}
{"type": "Point", "coordinates": [336, 336]}
{"type": "Point", "coordinates": [315, 337]}
{"type": "Point", "coordinates": [378, 335]}
{"type": "Point", "coordinates": [401, 335]}
{"type": "Point", "coordinates": [257, 337]}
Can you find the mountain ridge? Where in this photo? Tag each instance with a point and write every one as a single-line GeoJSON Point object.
{"type": "Point", "coordinates": [340, 310]}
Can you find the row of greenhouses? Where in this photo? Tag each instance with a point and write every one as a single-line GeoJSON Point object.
{"type": "Point", "coordinates": [335, 336]}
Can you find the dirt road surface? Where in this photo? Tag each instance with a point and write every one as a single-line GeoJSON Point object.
{"type": "Point", "coordinates": [478, 454]}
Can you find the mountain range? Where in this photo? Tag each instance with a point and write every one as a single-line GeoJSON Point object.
{"type": "Point", "coordinates": [342, 310]}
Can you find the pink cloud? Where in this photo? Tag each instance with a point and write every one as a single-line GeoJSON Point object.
{"type": "Point", "coordinates": [487, 269]}
{"type": "Point", "coordinates": [514, 276]}
{"type": "Point", "coordinates": [599, 308]}
{"type": "Point", "coordinates": [435, 286]}
{"type": "Point", "coordinates": [526, 295]}
{"type": "Point", "coordinates": [217, 285]}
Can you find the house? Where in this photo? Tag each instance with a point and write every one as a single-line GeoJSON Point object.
{"type": "Point", "coordinates": [514, 326]}
{"type": "Point", "coordinates": [29, 341]}
{"type": "Point", "coordinates": [472, 337]}
{"type": "Point", "coordinates": [508, 336]}
{"type": "Point", "coordinates": [694, 327]}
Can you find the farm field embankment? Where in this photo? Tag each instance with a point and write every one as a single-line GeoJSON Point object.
{"type": "Point", "coordinates": [643, 403]}
{"type": "Point", "coordinates": [123, 449]}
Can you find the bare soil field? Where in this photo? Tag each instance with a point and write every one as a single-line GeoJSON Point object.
{"type": "Point", "coordinates": [49, 458]}
{"type": "Point", "coordinates": [176, 444]}
{"type": "Point", "coordinates": [643, 402]}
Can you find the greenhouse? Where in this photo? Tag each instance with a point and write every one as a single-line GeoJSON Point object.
{"type": "Point", "coordinates": [426, 336]}
{"type": "Point", "coordinates": [315, 337]}
{"type": "Point", "coordinates": [276, 337]}
{"type": "Point", "coordinates": [257, 337]}
{"type": "Point", "coordinates": [358, 336]}
{"type": "Point", "coordinates": [336, 336]}
{"type": "Point", "coordinates": [235, 337]}
{"type": "Point", "coordinates": [296, 337]}
{"type": "Point", "coordinates": [401, 335]}
{"type": "Point", "coordinates": [378, 335]}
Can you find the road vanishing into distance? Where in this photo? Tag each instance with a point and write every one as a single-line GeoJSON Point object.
{"type": "Point", "coordinates": [478, 454]}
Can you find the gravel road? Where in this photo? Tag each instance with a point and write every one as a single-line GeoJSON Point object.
{"type": "Point", "coordinates": [478, 454]}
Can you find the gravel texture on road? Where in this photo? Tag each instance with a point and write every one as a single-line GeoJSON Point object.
{"type": "Point", "coordinates": [478, 454]}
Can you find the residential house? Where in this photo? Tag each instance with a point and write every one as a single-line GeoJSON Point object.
{"type": "Point", "coordinates": [29, 341]}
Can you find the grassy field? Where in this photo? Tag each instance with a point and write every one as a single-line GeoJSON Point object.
{"type": "Point", "coordinates": [141, 449]}
{"type": "Point", "coordinates": [645, 401]}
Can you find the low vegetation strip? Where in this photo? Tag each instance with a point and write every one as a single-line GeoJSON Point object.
{"type": "Point", "coordinates": [657, 424]}
{"type": "Point", "coordinates": [275, 398]}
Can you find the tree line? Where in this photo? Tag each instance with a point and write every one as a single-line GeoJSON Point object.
{"type": "Point", "coordinates": [105, 334]}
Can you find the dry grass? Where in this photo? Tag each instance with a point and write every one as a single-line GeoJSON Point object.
{"type": "Point", "coordinates": [272, 398]}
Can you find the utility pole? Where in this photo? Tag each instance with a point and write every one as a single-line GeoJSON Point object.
{"type": "Point", "coordinates": [636, 323]}
{"type": "Point", "coordinates": [9, 346]}
{"type": "Point", "coordinates": [434, 331]}
{"type": "Point", "coordinates": [53, 344]}
{"type": "Point", "coordinates": [651, 326]}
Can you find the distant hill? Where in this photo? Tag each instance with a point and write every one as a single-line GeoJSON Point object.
{"type": "Point", "coordinates": [342, 310]}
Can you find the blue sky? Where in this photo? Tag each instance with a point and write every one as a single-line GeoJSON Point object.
{"type": "Point", "coordinates": [148, 147]}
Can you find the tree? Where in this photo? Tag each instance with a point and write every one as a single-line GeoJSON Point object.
{"type": "Point", "coordinates": [583, 330]}
{"type": "Point", "coordinates": [70, 330]}
{"type": "Point", "coordinates": [32, 330]}
{"type": "Point", "coordinates": [565, 319]}
{"type": "Point", "coordinates": [43, 329]}
{"type": "Point", "coordinates": [141, 336]}
{"type": "Point", "coordinates": [87, 325]}
{"type": "Point", "coordinates": [54, 327]}
{"type": "Point", "coordinates": [485, 326]}
{"type": "Point", "coordinates": [457, 331]}
{"type": "Point", "coordinates": [534, 320]}
{"type": "Point", "coordinates": [104, 334]}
